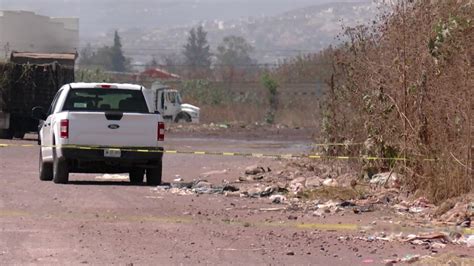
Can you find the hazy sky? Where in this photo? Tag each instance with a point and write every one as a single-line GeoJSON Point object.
{"type": "Point", "coordinates": [97, 16]}
{"type": "Point", "coordinates": [210, 8]}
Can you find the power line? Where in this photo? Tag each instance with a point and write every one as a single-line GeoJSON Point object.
{"type": "Point", "coordinates": [228, 65]}
{"type": "Point", "coordinates": [160, 49]}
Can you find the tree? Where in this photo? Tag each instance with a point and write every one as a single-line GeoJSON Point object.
{"type": "Point", "coordinates": [118, 60]}
{"type": "Point", "coordinates": [233, 57]}
{"type": "Point", "coordinates": [86, 55]}
{"type": "Point", "coordinates": [172, 63]}
{"type": "Point", "coordinates": [272, 87]}
{"type": "Point", "coordinates": [153, 63]}
{"type": "Point", "coordinates": [109, 58]}
{"type": "Point", "coordinates": [197, 53]}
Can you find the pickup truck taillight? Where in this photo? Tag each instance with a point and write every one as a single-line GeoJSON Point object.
{"type": "Point", "coordinates": [161, 131]}
{"type": "Point", "coordinates": [64, 129]}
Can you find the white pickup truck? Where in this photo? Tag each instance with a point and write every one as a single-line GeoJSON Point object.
{"type": "Point", "coordinates": [100, 128]}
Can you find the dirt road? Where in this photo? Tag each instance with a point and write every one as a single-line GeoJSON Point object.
{"type": "Point", "coordinates": [100, 219]}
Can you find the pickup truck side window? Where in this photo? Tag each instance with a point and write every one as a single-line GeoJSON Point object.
{"type": "Point", "coordinates": [55, 101]}
{"type": "Point", "coordinates": [172, 97]}
{"type": "Point", "coordinates": [103, 100]}
{"type": "Point", "coordinates": [162, 101]}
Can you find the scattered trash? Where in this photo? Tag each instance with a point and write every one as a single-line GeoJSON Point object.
{"type": "Point", "coordinates": [215, 172]}
{"type": "Point", "coordinates": [416, 209]}
{"type": "Point", "coordinates": [470, 241]}
{"type": "Point", "coordinates": [410, 258]}
{"type": "Point", "coordinates": [182, 185]}
{"type": "Point", "coordinates": [202, 184]}
{"type": "Point", "coordinates": [387, 180]}
{"type": "Point", "coordinates": [406, 259]}
{"type": "Point", "coordinates": [345, 204]}
{"type": "Point", "coordinates": [313, 182]}
{"type": "Point", "coordinates": [277, 199]}
{"type": "Point", "coordinates": [292, 217]}
{"type": "Point", "coordinates": [292, 189]}
{"type": "Point", "coordinates": [254, 170]}
{"type": "Point", "coordinates": [272, 209]}
{"type": "Point", "coordinates": [196, 187]}
{"type": "Point", "coordinates": [231, 194]}
{"type": "Point", "coordinates": [430, 236]}
{"type": "Point", "coordinates": [178, 179]}
{"type": "Point", "coordinates": [319, 213]}
{"type": "Point", "coordinates": [162, 188]}
{"type": "Point", "coordinates": [330, 183]}
{"type": "Point", "coordinates": [225, 126]}
{"type": "Point", "coordinates": [438, 245]}
{"type": "Point", "coordinates": [360, 209]}
{"type": "Point", "coordinates": [470, 208]}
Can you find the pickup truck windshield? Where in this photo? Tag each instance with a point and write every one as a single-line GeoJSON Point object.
{"type": "Point", "coordinates": [103, 100]}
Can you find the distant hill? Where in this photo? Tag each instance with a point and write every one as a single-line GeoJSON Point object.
{"type": "Point", "coordinates": [277, 37]}
{"type": "Point", "coordinates": [99, 16]}
{"type": "Point", "coordinates": [159, 27]}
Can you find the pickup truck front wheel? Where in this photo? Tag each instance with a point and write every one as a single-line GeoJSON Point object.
{"type": "Point", "coordinates": [153, 175]}
{"type": "Point", "coordinates": [183, 117]}
{"type": "Point", "coordinates": [60, 170]}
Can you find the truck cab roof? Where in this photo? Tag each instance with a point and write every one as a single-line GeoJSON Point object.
{"type": "Point", "coordinates": [83, 85]}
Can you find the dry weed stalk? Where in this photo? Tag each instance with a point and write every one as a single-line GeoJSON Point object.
{"type": "Point", "coordinates": [406, 82]}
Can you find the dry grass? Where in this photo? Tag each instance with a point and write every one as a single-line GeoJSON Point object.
{"type": "Point", "coordinates": [296, 116]}
{"type": "Point", "coordinates": [334, 193]}
{"type": "Point", "coordinates": [406, 83]}
{"type": "Point", "coordinates": [304, 113]}
{"type": "Point", "coordinates": [447, 259]}
{"type": "Point", "coordinates": [247, 113]}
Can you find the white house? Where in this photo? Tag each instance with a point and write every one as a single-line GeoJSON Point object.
{"type": "Point", "coordinates": [28, 32]}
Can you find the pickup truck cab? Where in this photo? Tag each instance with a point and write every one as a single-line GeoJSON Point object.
{"type": "Point", "coordinates": [100, 128]}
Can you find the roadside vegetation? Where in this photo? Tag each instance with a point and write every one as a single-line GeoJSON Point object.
{"type": "Point", "coordinates": [404, 86]}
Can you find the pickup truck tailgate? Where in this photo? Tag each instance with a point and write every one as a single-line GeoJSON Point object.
{"type": "Point", "coordinates": [131, 130]}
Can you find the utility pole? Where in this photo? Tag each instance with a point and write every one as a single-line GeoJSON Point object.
{"type": "Point", "coordinates": [405, 85]}
{"type": "Point", "coordinates": [7, 50]}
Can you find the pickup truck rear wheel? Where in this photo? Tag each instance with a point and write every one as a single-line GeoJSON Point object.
{"type": "Point", "coordinates": [45, 169]}
{"type": "Point", "coordinates": [19, 134]}
{"type": "Point", "coordinates": [6, 134]}
{"type": "Point", "coordinates": [137, 176]}
{"type": "Point", "coordinates": [153, 175]}
{"type": "Point", "coordinates": [60, 170]}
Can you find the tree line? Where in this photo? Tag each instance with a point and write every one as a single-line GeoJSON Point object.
{"type": "Point", "coordinates": [231, 60]}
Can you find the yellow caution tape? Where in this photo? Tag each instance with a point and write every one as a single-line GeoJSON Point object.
{"type": "Point", "coordinates": [337, 144]}
{"type": "Point", "coordinates": [254, 155]}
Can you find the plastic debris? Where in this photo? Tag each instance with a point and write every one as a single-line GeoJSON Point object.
{"type": "Point", "coordinates": [470, 241]}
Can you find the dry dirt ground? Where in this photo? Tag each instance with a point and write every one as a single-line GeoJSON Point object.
{"type": "Point", "coordinates": [103, 220]}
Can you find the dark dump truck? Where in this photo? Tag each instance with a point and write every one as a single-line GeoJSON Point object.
{"type": "Point", "coordinates": [26, 81]}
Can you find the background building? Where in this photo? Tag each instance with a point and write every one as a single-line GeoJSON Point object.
{"type": "Point", "coordinates": [28, 32]}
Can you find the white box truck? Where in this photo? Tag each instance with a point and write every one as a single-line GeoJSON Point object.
{"type": "Point", "coordinates": [169, 104]}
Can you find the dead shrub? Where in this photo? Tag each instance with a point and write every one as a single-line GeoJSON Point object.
{"type": "Point", "coordinates": [406, 83]}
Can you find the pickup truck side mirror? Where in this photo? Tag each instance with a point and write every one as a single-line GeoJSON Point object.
{"type": "Point", "coordinates": [38, 113]}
